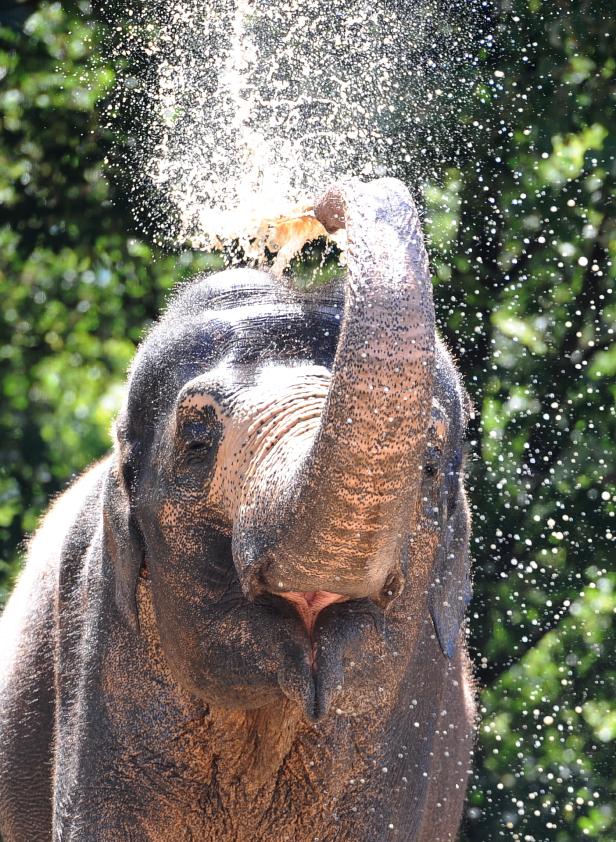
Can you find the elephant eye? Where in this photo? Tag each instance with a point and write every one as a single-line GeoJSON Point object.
{"type": "Point", "coordinates": [199, 445]}
{"type": "Point", "coordinates": [198, 438]}
{"type": "Point", "coordinates": [431, 465]}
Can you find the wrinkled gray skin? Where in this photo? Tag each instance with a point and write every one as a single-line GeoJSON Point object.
{"type": "Point", "coordinates": [244, 624]}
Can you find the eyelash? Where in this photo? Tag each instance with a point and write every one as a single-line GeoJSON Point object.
{"type": "Point", "coordinates": [197, 438]}
{"type": "Point", "coordinates": [198, 449]}
{"type": "Point", "coordinates": [197, 445]}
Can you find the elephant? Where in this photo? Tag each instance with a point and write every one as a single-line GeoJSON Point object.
{"type": "Point", "coordinates": [247, 622]}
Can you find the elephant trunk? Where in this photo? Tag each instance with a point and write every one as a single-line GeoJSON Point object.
{"type": "Point", "coordinates": [346, 518]}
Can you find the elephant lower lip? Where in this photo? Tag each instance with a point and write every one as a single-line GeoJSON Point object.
{"type": "Point", "coordinates": [315, 697]}
{"type": "Point", "coordinates": [327, 642]}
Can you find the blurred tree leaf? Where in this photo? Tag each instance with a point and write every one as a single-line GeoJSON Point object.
{"type": "Point", "coordinates": [522, 237]}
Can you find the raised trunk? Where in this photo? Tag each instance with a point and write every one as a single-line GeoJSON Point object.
{"type": "Point", "coordinates": [346, 519]}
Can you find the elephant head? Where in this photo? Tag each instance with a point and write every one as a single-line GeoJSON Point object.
{"type": "Point", "coordinates": [289, 464]}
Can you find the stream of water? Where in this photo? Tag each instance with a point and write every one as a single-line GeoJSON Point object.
{"type": "Point", "coordinates": [252, 107]}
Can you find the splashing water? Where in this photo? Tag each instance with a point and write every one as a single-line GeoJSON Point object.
{"type": "Point", "coordinates": [249, 109]}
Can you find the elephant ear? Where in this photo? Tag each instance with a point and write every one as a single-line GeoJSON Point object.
{"type": "Point", "coordinates": [122, 541]}
{"type": "Point", "coordinates": [451, 591]}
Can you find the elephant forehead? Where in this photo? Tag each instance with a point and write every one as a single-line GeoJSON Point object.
{"type": "Point", "coordinates": [186, 344]}
{"type": "Point", "coordinates": [277, 412]}
{"type": "Point", "coordinates": [247, 390]}
{"type": "Point", "coordinates": [275, 387]}
{"type": "Point", "coordinates": [253, 332]}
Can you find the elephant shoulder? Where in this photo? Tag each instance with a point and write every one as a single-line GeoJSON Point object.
{"type": "Point", "coordinates": [66, 528]}
{"type": "Point", "coordinates": [69, 524]}
{"type": "Point", "coordinates": [27, 622]}
{"type": "Point", "coordinates": [27, 661]}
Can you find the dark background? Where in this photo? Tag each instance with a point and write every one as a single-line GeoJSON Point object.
{"type": "Point", "coordinates": [522, 237]}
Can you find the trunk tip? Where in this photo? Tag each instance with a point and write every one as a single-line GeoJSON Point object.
{"type": "Point", "coordinates": [329, 209]}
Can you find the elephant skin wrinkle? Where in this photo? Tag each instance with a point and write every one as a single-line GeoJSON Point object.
{"type": "Point", "coordinates": [247, 622]}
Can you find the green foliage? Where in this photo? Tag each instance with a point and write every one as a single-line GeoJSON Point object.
{"type": "Point", "coordinates": [522, 237]}
{"type": "Point", "coordinates": [77, 285]}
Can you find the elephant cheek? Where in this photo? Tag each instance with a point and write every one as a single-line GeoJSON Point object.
{"type": "Point", "coordinates": [422, 552]}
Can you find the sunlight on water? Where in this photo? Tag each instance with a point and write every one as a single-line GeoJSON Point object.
{"type": "Point", "coordinates": [252, 107]}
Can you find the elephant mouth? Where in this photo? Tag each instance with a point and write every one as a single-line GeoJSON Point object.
{"type": "Point", "coordinates": [309, 604]}
{"type": "Point", "coordinates": [337, 629]}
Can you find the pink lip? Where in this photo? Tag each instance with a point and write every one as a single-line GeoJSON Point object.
{"type": "Point", "coordinates": [309, 605]}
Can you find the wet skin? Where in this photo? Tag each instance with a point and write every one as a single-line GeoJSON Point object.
{"type": "Point", "coordinates": [215, 640]}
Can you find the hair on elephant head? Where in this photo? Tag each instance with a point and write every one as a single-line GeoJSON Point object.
{"type": "Point", "coordinates": [289, 469]}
